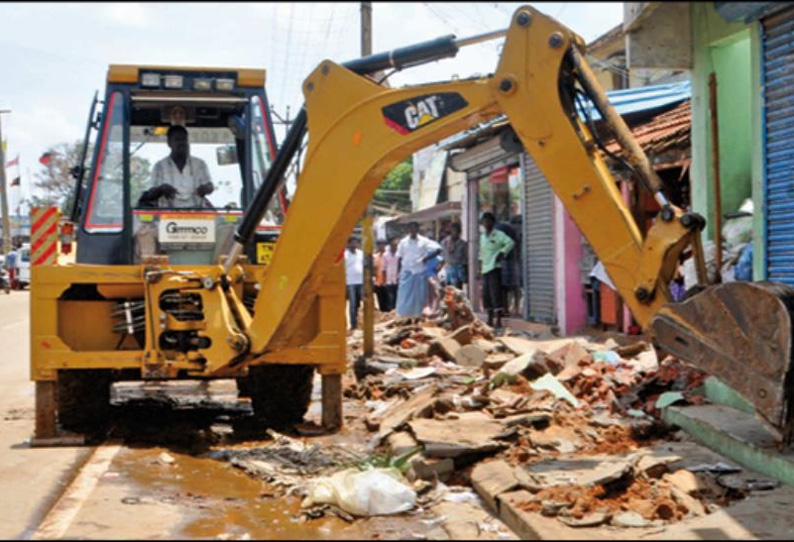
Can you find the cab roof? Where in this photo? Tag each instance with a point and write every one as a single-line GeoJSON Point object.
{"type": "Point", "coordinates": [129, 73]}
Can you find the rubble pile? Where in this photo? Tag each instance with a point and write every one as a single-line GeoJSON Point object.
{"type": "Point", "coordinates": [541, 406]}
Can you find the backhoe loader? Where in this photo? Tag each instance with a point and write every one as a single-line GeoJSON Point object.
{"type": "Point", "coordinates": [143, 302]}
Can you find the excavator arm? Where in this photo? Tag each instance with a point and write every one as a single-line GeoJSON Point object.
{"type": "Point", "coordinates": [359, 130]}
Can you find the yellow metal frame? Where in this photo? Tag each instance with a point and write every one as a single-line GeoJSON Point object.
{"type": "Point", "coordinates": [299, 311]}
{"type": "Point", "coordinates": [128, 73]}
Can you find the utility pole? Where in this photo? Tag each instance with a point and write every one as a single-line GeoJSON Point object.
{"type": "Point", "coordinates": [4, 190]}
{"type": "Point", "coordinates": [366, 28]}
{"type": "Point", "coordinates": [366, 224]}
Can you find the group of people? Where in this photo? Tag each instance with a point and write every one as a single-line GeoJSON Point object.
{"type": "Point", "coordinates": [410, 272]}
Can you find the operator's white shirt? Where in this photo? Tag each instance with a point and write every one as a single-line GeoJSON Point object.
{"type": "Point", "coordinates": [186, 181]}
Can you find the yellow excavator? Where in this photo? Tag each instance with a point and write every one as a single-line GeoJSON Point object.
{"type": "Point", "coordinates": [215, 292]}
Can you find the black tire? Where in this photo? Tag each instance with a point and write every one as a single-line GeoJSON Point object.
{"type": "Point", "coordinates": [244, 386]}
{"type": "Point", "coordinates": [280, 394]}
{"type": "Point", "coordinates": [84, 400]}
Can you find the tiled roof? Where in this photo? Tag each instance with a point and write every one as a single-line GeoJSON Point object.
{"type": "Point", "coordinates": [666, 130]}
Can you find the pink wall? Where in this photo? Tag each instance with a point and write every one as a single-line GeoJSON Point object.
{"type": "Point", "coordinates": [571, 304]}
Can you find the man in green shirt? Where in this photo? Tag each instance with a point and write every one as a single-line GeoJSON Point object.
{"type": "Point", "coordinates": [494, 247]}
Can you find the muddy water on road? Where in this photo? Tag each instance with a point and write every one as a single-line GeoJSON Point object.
{"type": "Point", "coordinates": [220, 500]}
{"type": "Point", "coordinates": [215, 499]}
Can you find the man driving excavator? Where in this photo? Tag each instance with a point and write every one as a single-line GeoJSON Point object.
{"type": "Point", "coordinates": [179, 180]}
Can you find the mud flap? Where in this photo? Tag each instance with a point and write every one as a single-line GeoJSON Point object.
{"type": "Point", "coordinates": [739, 332]}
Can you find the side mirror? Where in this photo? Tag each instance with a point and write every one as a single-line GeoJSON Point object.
{"type": "Point", "coordinates": [76, 171]}
{"type": "Point", "coordinates": [226, 155]}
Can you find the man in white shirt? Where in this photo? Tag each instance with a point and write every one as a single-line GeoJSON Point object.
{"type": "Point", "coordinates": [414, 251]}
{"type": "Point", "coordinates": [354, 278]}
{"type": "Point", "coordinates": [179, 180]}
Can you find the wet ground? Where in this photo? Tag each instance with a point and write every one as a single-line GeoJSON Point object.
{"type": "Point", "coordinates": [165, 481]}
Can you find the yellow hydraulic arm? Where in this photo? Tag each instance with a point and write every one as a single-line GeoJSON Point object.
{"type": "Point", "coordinates": [358, 131]}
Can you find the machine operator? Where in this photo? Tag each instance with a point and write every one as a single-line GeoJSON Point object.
{"type": "Point", "coordinates": [179, 180]}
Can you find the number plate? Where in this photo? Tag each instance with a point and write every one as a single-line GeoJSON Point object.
{"type": "Point", "coordinates": [264, 252]}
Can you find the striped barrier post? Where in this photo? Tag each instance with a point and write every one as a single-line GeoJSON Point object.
{"type": "Point", "coordinates": [44, 235]}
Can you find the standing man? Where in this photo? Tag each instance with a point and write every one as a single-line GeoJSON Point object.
{"type": "Point", "coordinates": [354, 278]}
{"type": "Point", "coordinates": [494, 247]}
{"type": "Point", "coordinates": [510, 278]}
{"type": "Point", "coordinates": [391, 269]}
{"type": "Point", "coordinates": [380, 277]}
{"type": "Point", "coordinates": [414, 251]}
{"type": "Point", "coordinates": [456, 256]}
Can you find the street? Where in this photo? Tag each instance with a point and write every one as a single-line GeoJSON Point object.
{"type": "Point", "coordinates": [154, 465]}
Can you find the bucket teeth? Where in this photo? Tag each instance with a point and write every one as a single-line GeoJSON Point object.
{"type": "Point", "coordinates": [739, 332]}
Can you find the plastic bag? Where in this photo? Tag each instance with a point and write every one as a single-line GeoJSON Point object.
{"type": "Point", "coordinates": [374, 492]}
{"type": "Point", "coordinates": [737, 231]}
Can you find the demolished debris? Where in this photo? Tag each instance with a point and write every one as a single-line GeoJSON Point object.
{"type": "Point", "coordinates": [572, 421]}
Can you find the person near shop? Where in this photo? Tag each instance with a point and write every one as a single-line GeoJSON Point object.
{"type": "Point", "coordinates": [494, 247]}
{"type": "Point", "coordinates": [432, 267]}
{"type": "Point", "coordinates": [391, 272]}
{"type": "Point", "coordinates": [380, 277]}
{"type": "Point", "coordinates": [413, 251]}
{"type": "Point", "coordinates": [354, 278]}
{"type": "Point", "coordinates": [456, 257]}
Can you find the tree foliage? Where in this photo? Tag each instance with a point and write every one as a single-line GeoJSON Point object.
{"type": "Point", "coordinates": [56, 184]}
{"type": "Point", "coordinates": [394, 191]}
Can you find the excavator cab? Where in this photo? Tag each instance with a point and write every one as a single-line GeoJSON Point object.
{"type": "Point", "coordinates": [227, 118]}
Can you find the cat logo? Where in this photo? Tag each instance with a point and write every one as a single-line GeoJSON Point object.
{"type": "Point", "coordinates": [409, 115]}
{"type": "Point", "coordinates": [423, 112]}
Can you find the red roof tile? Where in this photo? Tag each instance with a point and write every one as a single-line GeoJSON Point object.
{"type": "Point", "coordinates": [663, 131]}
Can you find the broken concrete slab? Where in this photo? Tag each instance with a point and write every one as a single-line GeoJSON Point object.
{"type": "Point", "coordinates": [472, 432]}
{"type": "Point", "coordinates": [686, 481]}
{"type": "Point", "coordinates": [401, 443]}
{"type": "Point", "coordinates": [530, 365]}
{"type": "Point", "coordinates": [404, 411]}
{"type": "Point", "coordinates": [470, 356]}
{"type": "Point", "coordinates": [463, 335]}
{"type": "Point", "coordinates": [485, 345]}
{"type": "Point", "coordinates": [492, 478]}
{"type": "Point", "coordinates": [653, 465]}
{"type": "Point", "coordinates": [549, 383]}
{"type": "Point", "coordinates": [693, 505]}
{"type": "Point", "coordinates": [629, 519]}
{"type": "Point", "coordinates": [444, 347]}
{"type": "Point", "coordinates": [645, 362]}
{"type": "Point", "coordinates": [563, 439]}
{"type": "Point", "coordinates": [427, 468]}
{"type": "Point", "coordinates": [581, 470]}
{"type": "Point", "coordinates": [567, 356]}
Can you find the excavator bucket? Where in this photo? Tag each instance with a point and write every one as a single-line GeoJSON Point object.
{"type": "Point", "coordinates": [739, 332]}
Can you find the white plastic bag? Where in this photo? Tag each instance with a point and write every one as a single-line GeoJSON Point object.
{"type": "Point", "coordinates": [374, 492]}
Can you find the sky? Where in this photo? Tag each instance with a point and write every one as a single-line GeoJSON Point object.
{"type": "Point", "coordinates": [55, 55]}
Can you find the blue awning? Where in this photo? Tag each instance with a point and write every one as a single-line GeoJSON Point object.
{"type": "Point", "coordinates": [636, 100]}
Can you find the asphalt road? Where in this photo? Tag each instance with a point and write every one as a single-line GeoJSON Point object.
{"type": "Point", "coordinates": [31, 478]}
{"type": "Point", "coordinates": [151, 479]}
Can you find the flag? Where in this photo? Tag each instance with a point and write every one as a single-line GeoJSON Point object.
{"type": "Point", "coordinates": [14, 162]}
{"type": "Point", "coordinates": [45, 158]}
{"type": "Point", "coordinates": [15, 182]}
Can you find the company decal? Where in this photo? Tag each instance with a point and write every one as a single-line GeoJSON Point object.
{"type": "Point", "coordinates": [181, 230]}
{"type": "Point", "coordinates": [410, 115]}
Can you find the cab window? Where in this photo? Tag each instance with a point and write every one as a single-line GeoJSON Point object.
{"type": "Point", "coordinates": [106, 201]}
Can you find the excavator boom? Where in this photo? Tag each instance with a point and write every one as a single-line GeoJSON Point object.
{"type": "Point", "coordinates": [359, 130]}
